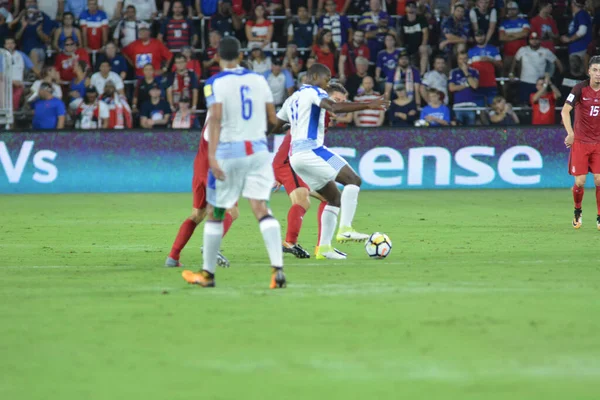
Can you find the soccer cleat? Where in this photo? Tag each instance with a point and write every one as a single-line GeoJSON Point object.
{"type": "Point", "coordinates": [598, 222]}
{"type": "Point", "coordinates": [350, 235]}
{"type": "Point", "coordinates": [222, 261]}
{"type": "Point", "coordinates": [334, 249]}
{"type": "Point", "coordinates": [278, 279]}
{"type": "Point", "coordinates": [577, 218]}
{"type": "Point", "coordinates": [171, 262]}
{"type": "Point", "coordinates": [329, 253]}
{"type": "Point", "coordinates": [295, 249]}
{"type": "Point", "coordinates": [202, 278]}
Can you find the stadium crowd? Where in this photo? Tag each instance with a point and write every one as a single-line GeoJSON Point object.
{"type": "Point", "coordinates": [119, 64]}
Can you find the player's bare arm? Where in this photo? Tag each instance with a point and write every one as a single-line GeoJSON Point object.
{"type": "Point", "coordinates": [214, 134]}
{"type": "Point", "coordinates": [280, 126]}
{"type": "Point", "coordinates": [335, 108]}
{"type": "Point", "coordinates": [566, 117]}
{"type": "Point", "coordinates": [272, 120]}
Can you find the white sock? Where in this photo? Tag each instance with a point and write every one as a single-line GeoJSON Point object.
{"type": "Point", "coordinates": [213, 233]}
{"type": "Point", "coordinates": [349, 203]}
{"type": "Point", "coordinates": [271, 232]}
{"type": "Point", "coordinates": [328, 224]}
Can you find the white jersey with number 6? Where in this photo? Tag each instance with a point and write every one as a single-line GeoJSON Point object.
{"type": "Point", "coordinates": [244, 95]}
{"type": "Point", "coordinates": [306, 117]}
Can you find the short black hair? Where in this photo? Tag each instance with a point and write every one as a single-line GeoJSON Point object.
{"type": "Point", "coordinates": [178, 56]}
{"type": "Point", "coordinates": [594, 60]}
{"type": "Point", "coordinates": [229, 48]}
{"type": "Point", "coordinates": [318, 69]}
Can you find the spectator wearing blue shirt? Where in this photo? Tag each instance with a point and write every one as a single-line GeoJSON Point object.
{"type": "Point", "coordinates": [76, 7]}
{"type": "Point", "coordinates": [34, 30]}
{"type": "Point", "coordinates": [463, 82]}
{"type": "Point", "coordinates": [456, 30]}
{"type": "Point", "coordinates": [408, 76]}
{"type": "Point", "coordinates": [156, 112]}
{"type": "Point", "coordinates": [436, 113]}
{"type": "Point", "coordinates": [48, 111]}
{"type": "Point", "coordinates": [375, 25]}
{"type": "Point", "coordinates": [280, 81]}
{"type": "Point", "coordinates": [206, 7]}
{"type": "Point", "coordinates": [387, 61]}
{"type": "Point", "coordinates": [579, 37]}
{"type": "Point", "coordinates": [302, 31]}
{"type": "Point", "coordinates": [403, 110]}
{"type": "Point", "coordinates": [339, 25]}
{"type": "Point", "coordinates": [118, 64]}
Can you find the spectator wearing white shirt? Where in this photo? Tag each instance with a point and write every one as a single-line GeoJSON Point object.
{"type": "Point", "coordinates": [99, 79]}
{"type": "Point", "coordinates": [20, 64]}
{"type": "Point", "coordinates": [536, 61]}
{"type": "Point", "coordinates": [146, 9]}
{"type": "Point", "coordinates": [436, 79]}
{"type": "Point", "coordinates": [109, 7]}
{"type": "Point", "coordinates": [126, 31]}
{"type": "Point", "coordinates": [49, 75]}
{"type": "Point", "coordinates": [280, 81]}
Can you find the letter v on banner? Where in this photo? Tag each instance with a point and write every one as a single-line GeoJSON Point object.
{"type": "Point", "coordinates": [14, 172]}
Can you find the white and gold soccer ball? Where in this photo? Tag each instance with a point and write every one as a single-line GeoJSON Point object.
{"type": "Point", "coordinates": [378, 245]}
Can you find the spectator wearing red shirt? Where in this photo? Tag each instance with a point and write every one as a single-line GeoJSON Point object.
{"type": "Point", "coordinates": [178, 31]}
{"type": "Point", "coordinates": [324, 50]}
{"type": "Point", "coordinates": [368, 118]}
{"type": "Point", "coordinates": [545, 26]}
{"type": "Point", "coordinates": [357, 48]}
{"type": "Point", "coordinates": [192, 64]}
{"type": "Point", "coordinates": [182, 83]}
{"type": "Point", "coordinates": [513, 33]}
{"type": "Point", "coordinates": [94, 26]}
{"type": "Point", "coordinates": [65, 61]}
{"type": "Point", "coordinates": [543, 102]}
{"type": "Point", "coordinates": [259, 30]}
{"type": "Point", "coordinates": [485, 58]}
{"type": "Point", "coordinates": [146, 50]}
{"type": "Point", "coordinates": [210, 58]}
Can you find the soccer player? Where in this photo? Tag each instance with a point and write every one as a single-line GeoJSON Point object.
{"type": "Point", "coordinates": [584, 137]}
{"type": "Point", "coordinates": [188, 226]}
{"type": "Point", "coordinates": [296, 188]}
{"type": "Point", "coordinates": [240, 105]}
{"type": "Point", "coordinates": [316, 164]}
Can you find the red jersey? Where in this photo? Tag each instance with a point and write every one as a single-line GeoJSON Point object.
{"type": "Point", "coordinates": [259, 30]}
{"type": "Point", "coordinates": [178, 33]}
{"type": "Point", "coordinates": [192, 65]}
{"type": "Point", "coordinates": [93, 27]}
{"type": "Point", "coordinates": [209, 54]}
{"type": "Point", "coordinates": [64, 63]}
{"type": "Point", "coordinates": [153, 52]}
{"type": "Point", "coordinates": [351, 53]}
{"type": "Point", "coordinates": [543, 27]}
{"type": "Point", "coordinates": [325, 57]}
{"type": "Point", "coordinates": [543, 111]}
{"type": "Point", "coordinates": [586, 102]}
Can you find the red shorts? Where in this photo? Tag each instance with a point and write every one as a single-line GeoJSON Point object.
{"type": "Point", "coordinates": [584, 158]}
{"type": "Point", "coordinates": [285, 175]}
{"type": "Point", "coordinates": [200, 175]}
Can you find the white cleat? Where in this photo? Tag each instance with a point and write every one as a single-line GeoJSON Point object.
{"type": "Point", "coordinates": [350, 235]}
{"type": "Point", "coordinates": [329, 253]}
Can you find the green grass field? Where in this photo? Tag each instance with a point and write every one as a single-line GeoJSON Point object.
{"type": "Point", "coordinates": [486, 295]}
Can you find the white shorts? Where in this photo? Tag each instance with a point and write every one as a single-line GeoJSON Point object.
{"type": "Point", "coordinates": [317, 167]}
{"type": "Point", "coordinates": [250, 177]}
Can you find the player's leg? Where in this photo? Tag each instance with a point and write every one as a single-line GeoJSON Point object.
{"type": "Point", "coordinates": [322, 205]}
{"type": "Point", "coordinates": [349, 202]}
{"type": "Point", "coordinates": [329, 222]}
{"type": "Point", "coordinates": [578, 167]}
{"type": "Point", "coordinates": [597, 183]}
{"type": "Point", "coordinates": [257, 189]}
{"type": "Point", "coordinates": [186, 230]}
{"type": "Point", "coordinates": [594, 166]}
{"type": "Point", "coordinates": [298, 193]}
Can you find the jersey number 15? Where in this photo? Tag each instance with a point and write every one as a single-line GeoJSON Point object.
{"type": "Point", "coordinates": [594, 111]}
{"type": "Point", "coordinates": [246, 102]}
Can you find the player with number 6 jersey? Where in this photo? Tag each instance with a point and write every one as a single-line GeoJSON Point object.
{"type": "Point", "coordinates": [584, 137]}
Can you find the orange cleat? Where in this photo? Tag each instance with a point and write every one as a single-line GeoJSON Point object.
{"type": "Point", "coordinates": [198, 278]}
{"type": "Point", "coordinates": [278, 279]}
{"type": "Point", "coordinates": [577, 219]}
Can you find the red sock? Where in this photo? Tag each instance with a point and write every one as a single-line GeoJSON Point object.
{"type": "Point", "coordinates": [227, 221]}
{"type": "Point", "coordinates": [598, 199]}
{"type": "Point", "coordinates": [294, 219]}
{"type": "Point", "coordinates": [578, 195]}
{"type": "Point", "coordinates": [185, 233]}
{"type": "Point", "coordinates": [319, 213]}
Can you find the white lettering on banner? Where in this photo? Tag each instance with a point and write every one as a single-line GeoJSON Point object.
{"type": "Point", "coordinates": [368, 166]}
{"type": "Point", "coordinates": [14, 171]}
{"type": "Point", "coordinates": [484, 174]}
{"type": "Point", "coordinates": [416, 160]}
{"type": "Point", "coordinates": [507, 164]}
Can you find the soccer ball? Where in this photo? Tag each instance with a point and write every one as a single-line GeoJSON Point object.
{"type": "Point", "coordinates": [378, 245]}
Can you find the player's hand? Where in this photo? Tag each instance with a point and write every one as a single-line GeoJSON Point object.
{"type": "Point", "coordinates": [569, 141]}
{"type": "Point", "coordinates": [216, 169]}
{"type": "Point", "coordinates": [379, 104]}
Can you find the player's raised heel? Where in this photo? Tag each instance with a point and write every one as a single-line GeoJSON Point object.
{"type": "Point", "coordinates": [295, 249]}
{"type": "Point", "coordinates": [278, 279]}
{"type": "Point", "coordinates": [577, 219]}
{"type": "Point", "coordinates": [222, 261]}
{"type": "Point", "coordinates": [198, 278]}
{"type": "Point", "coordinates": [350, 235]}
{"type": "Point", "coordinates": [329, 253]}
{"type": "Point", "coordinates": [172, 263]}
